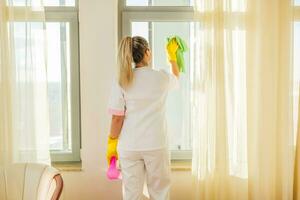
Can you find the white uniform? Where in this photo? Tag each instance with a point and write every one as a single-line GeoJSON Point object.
{"type": "Point", "coordinates": [143, 145]}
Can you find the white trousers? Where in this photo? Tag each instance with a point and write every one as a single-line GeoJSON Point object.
{"type": "Point", "coordinates": [155, 165]}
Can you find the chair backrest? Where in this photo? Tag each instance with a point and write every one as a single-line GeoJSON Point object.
{"type": "Point", "coordinates": [30, 181]}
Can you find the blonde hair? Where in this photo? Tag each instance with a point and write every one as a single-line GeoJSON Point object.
{"type": "Point", "coordinates": [131, 49]}
{"type": "Point", "coordinates": [124, 62]}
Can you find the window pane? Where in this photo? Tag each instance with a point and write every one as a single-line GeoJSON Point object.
{"type": "Point", "coordinates": [297, 2]}
{"type": "Point", "coordinates": [140, 29]}
{"type": "Point", "coordinates": [178, 103]}
{"type": "Point", "coordinates": [296, 82]}
{"type": "Point", "coordinates": [39, 2]}
{"type": "Point", "coordinates": [29, 42]}
{"type": "Point", "coordinates": [159, 2]}
{"type": "Point", "coordinates": [58, 49]}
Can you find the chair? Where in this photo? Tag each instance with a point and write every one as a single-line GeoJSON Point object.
{"type": "Point", "coordinates": [30, 181]}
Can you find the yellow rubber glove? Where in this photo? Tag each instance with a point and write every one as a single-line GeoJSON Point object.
{"type": "Point", "coordinates": [171, 50]}
{"type": "Point", "coordinates": [111, 149]}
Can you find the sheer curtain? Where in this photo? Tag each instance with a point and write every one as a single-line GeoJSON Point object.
{"type": "Point", "coordinates": [242, 100]}
{"type": "Point", "coordinates": [24, 119]}
{"type": "Point", "coordinates": [297, 161]}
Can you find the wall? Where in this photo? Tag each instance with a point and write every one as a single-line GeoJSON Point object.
{"type": "Point", "coordinates": [98, 46]}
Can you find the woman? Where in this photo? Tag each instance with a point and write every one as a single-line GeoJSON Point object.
{"type": "Point", "coordinates": [138, 127]}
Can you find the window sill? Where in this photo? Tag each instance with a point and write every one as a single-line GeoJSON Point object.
{"type": "Point", "coordinates": [181, 165]}
{"type": "Point", "coordinates": [176, 165]}
{"type": "Point", "coordinates": [67, 166]}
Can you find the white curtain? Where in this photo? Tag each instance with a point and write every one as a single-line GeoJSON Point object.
{"type": "Point", "coordinates": [297, 159]}
{"type": "Point", "coordinates": [243, 99]}
{"type": "Point", "coordinates": [24, 118]}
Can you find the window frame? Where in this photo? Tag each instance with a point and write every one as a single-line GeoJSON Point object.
{"type": "Point", "coordinates": [70, 15]}
{"type": "Point", "coordinates": [297, 13]}
{"type": "Point", "coordinates": [63, 14]}
{"type": "Point", "coordinates": [128, 14]}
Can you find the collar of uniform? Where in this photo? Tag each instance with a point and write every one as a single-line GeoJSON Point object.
{"type": "Point", "coordinates": [145, 67]}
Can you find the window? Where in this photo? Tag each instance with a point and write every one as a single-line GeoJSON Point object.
{"type": "Point", "coordinates": [156, 20]}
{"type": "Point", "coordinates": [62, 71]}
{"type": "Point", "coordinates": [156, 27]}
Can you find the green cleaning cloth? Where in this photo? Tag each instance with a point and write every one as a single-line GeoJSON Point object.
{"type": "Point", "coordinates": [182, 47]}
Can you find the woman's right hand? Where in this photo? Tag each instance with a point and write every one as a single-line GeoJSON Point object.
{"type": "Point", "coordinates": [171, 50]}
{"type": "Point", "coordinates": [111, 149]}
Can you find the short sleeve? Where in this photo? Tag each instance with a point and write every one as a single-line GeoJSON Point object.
{"type": "Point", "coordinates": [116, 104]}
{"type": "Point", "coordinates": [172, 80]}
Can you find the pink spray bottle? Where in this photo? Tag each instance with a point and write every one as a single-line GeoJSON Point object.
{"type": "Point", "coordinates": [112, 172]}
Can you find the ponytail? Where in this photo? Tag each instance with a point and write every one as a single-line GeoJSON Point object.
{"type": "Point", "coordinates": [125, 62]}
{"type": "Point", "coordinates": [131, 50]}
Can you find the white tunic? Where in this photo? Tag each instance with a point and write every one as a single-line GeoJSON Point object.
{"type": "Point", "coordinates": [143, 105]}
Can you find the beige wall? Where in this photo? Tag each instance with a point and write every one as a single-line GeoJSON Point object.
{"type": "Point", "coordinates": [98, 45]}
